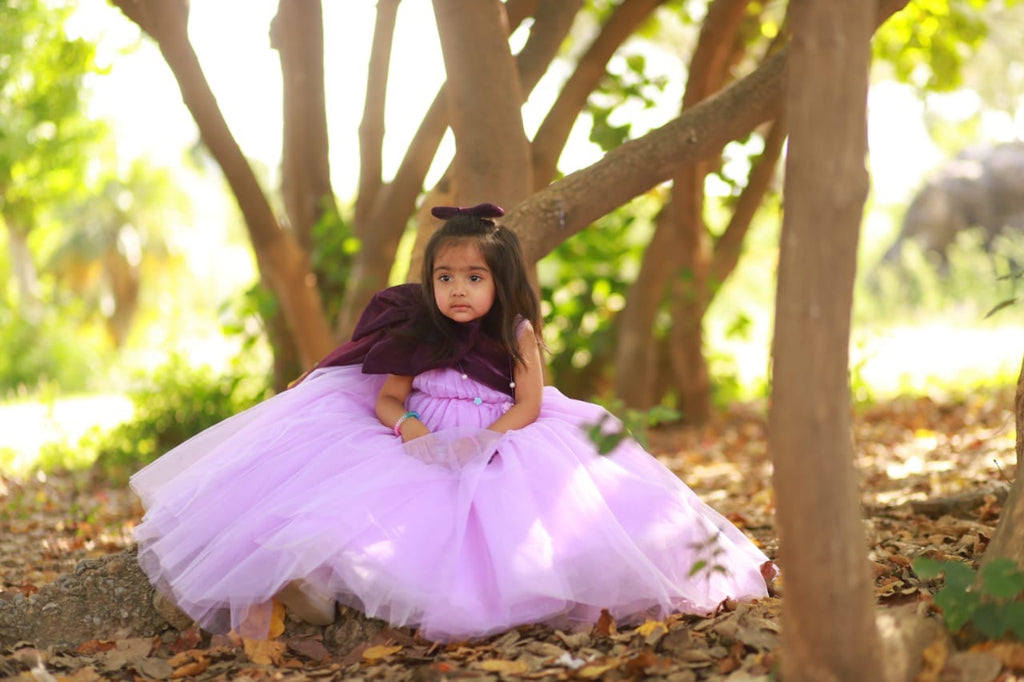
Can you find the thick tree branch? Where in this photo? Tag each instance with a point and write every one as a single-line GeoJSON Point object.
{"type": "Point", "coordinates": [569, 205]}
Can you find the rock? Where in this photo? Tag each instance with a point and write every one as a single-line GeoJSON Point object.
{"type": "Point", "coordinates": [350, 630]}
{"type": "Point", "coordinates": [905, 634]}
{"type": "Point", "coordinates": [169, 611]}
{"type": "Point", "coordinates": [107, 598]}
{"type": "Point", "coordinates": [971, 666]}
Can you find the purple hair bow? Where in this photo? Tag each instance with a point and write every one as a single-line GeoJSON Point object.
{"type": "Point", "coordinates": [480, 211]}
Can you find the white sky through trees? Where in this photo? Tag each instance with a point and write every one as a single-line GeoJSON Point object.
{"type": "Point", "coordinates": [140, 96]}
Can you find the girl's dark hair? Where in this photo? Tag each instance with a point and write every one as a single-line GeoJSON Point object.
{"type": "Point", "coordinates": [500, 247]}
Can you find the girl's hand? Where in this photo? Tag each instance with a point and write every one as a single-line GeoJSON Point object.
{"type": "Point", "coordinates": [412, 428]}
{"type": "Point", "coordinates": [390, 408]}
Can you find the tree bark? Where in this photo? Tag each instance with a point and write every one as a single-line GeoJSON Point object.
{"type": "Point", "coordinates": [1008, 540]}
{"type": "Point", "coordinates": [371, 126]}
{"type": "Point", "coordinates": [297, 33]}
{"type": "Point", "coordinates": [281, 261]}
{"type": "Point", "coordinates": [822, 545]}
{"type": "Point", "coordinates": [691, 291]}
{"type": "Point", "coordinates": [637, 349]}
{"type": "Point", "coordinates": [492, 157]}
{"type": "Point", "coordinates": [680, 246]}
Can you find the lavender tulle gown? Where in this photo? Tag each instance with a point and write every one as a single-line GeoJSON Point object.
{"type": "Point", "coordinates": [462, 533]}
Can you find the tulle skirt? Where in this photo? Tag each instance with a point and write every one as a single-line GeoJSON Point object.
{"type": "Point", "coordinates": [462, 533]}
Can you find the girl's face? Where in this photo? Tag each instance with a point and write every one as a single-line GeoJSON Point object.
{"type": "Point", "coordinates": [463, 284]}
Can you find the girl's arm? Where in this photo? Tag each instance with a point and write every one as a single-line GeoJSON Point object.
{"type": "Point", "coordinates": [391, 407]}
{"type": "Point", "coordinates": [529, 378]}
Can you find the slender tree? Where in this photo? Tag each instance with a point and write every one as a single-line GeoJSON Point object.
{"type": "Point", "coordinates": [822, 544]}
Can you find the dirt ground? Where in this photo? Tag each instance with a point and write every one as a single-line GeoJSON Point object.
{"type": "Point", "coordinates": [934, 474]}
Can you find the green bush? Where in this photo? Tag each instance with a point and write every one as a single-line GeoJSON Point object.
{"type": "Point", "coordinates": [176, 402]}
{"type": "Point", "coordinates": [584, 283]}
{"type": "Point", "coordinates": [48, 352]}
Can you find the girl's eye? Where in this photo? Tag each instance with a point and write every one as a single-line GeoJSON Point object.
{"type": "Point", "coordinates": [444, 278]}
{"type": "Point", "coordinates": [476, 278]}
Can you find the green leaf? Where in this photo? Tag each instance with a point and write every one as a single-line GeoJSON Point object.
{"type": "Point", "coordinates": [1001, 578]}
{"type": "Point", "coordinates": [959, 576]}
{"type": "Point", "coordinates": [958, 607]}
{"type": "Point", "coordinates": [697, 567]}
{"type": "Point", "coordinates": [990, 619]}
{"type": "Point", "coordinates": [999, 306]}
{"type": "Point", "coordinates": [1015, 619]}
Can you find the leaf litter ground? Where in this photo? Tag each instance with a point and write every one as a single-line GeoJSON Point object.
{"type": "Point", "coordinates": [934, 475]}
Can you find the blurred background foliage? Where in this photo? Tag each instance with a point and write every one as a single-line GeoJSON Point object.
{"type": "Point", "coordinates": [110, 285]}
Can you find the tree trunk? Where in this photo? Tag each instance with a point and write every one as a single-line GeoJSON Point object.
{"type": "Point", "coordinates": [1008, 540]}
{"type": "Point", "coordinates": [552, 215]}
{"type": "Point", "coordinates": [690, 290]}
{"type": "Point", "coordinates": [297, 33]}
{"type": "Point", "coordinates": [636, 350]}
{"type": "Point", "coordinates": [492, 153]}
{"type": "Point", "coordinates": [822, 544]}
{"type": "Point", "coordinates": [283, 264]}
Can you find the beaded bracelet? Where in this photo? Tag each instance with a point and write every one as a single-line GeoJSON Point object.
{"type": "Point", "coordinates": [401, 420]}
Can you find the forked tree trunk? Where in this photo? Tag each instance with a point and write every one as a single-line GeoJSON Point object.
{"type": "Point", "coordinates": [823, 550]}
{"type": "Point", "coordinates": [283, 263]}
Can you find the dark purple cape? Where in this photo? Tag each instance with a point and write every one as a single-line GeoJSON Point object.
{"type": "Point", "coordinates": [389, 339]}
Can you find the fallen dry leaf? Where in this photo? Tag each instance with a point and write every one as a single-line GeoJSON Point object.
{"type": "Point", "coordinates": [593, 671]}
{"type": "Point", "coordinates": [191, 668]}
{"type": "Point", "coordinates": [933, 660]}
{"type": "Point", "coordinates": [376, 653]}
{"type": "Point", "coordinates": [650, 627]}
{"type": "Point", "coordinates": [276, 620]}
{"type": "Point", "coordinates": [497, 665]}
{"type": "Point", "coordinates": [264, 651]}
{"type": "Point", "coordinates": [605, 626]}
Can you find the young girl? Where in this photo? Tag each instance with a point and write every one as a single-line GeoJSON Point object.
{"type": "Point", "coordinates": [423, 474]}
